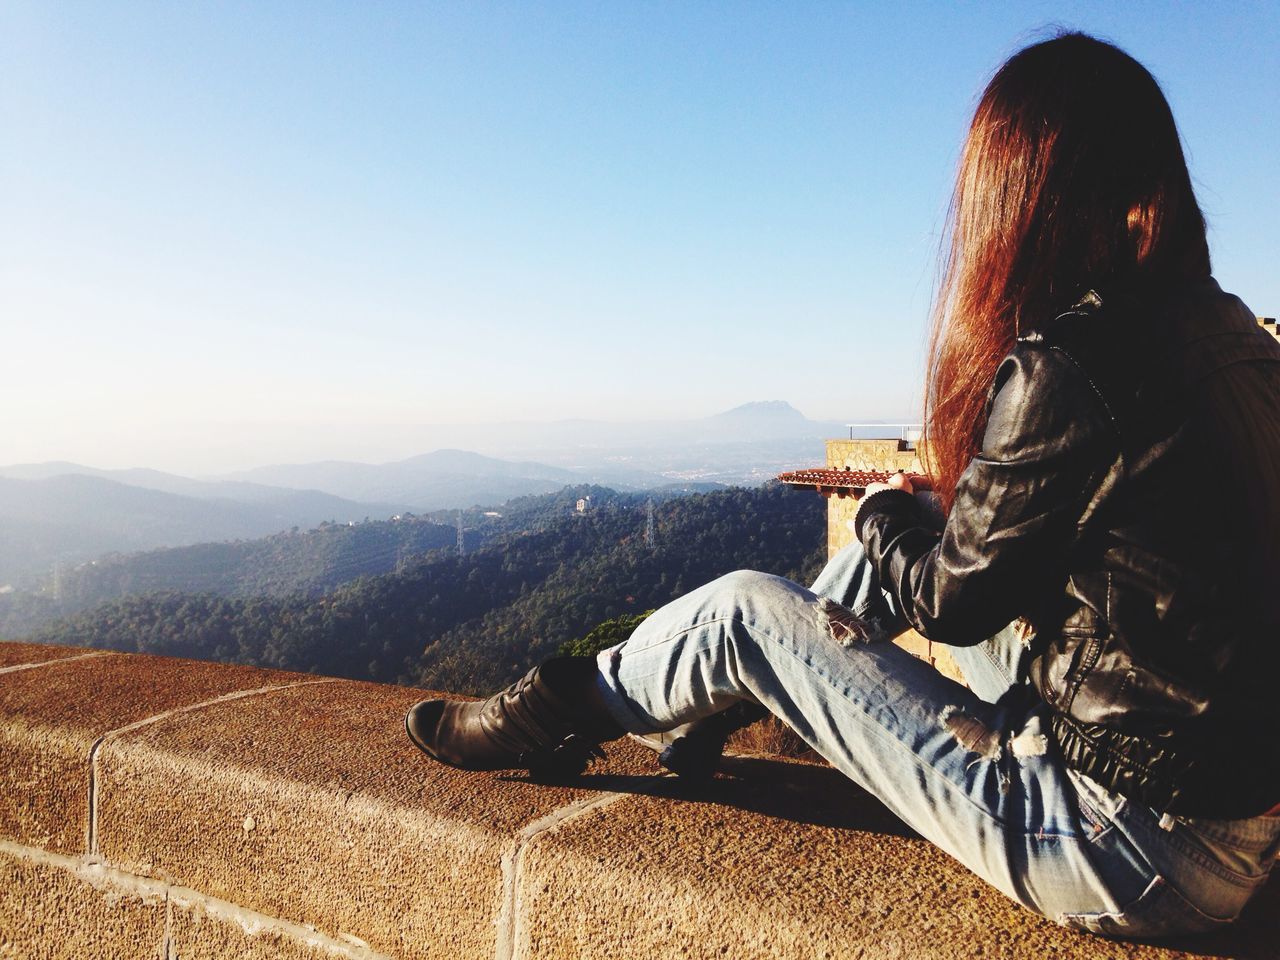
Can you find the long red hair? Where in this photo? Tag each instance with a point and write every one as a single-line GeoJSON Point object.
{"type": "Point", "coordinates": [1072, 177]}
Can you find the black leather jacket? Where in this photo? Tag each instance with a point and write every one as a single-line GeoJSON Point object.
{"type": "Point", "coordinates": [1104, 508]}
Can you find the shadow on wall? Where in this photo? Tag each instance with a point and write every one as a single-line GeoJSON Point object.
{"type": "Point", "coordinates": [807, 793]}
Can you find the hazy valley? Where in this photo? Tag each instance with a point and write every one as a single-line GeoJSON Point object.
{"type": "Point", "coordinates": [59, 516]}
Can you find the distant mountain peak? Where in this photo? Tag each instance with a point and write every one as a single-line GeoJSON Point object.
{"type": "Point", "coordinates": [772, 410]}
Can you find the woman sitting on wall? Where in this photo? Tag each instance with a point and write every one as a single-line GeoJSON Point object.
{"type": "Point", "coordinates": [1104, 441]}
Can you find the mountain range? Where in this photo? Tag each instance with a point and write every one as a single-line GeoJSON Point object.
{"type": "Point", "coordinates": [66, 513]}
{"type": "Point", "coordinates": [746, 445]}
{"type": "Point", "coordinates": [432, 481]}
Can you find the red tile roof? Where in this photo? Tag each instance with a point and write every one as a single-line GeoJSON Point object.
{"type": "Point", "coordinates": [844, 482]}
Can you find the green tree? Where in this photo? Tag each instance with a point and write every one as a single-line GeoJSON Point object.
{"type": "Point", "coordinates": [604, 635]}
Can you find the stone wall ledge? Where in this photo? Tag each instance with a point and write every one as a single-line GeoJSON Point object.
{"type": "Point", "coordinates": [173, 809]}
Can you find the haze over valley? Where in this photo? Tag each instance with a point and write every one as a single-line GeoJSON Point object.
{"type": "Point", "coordinates": [59, 515]}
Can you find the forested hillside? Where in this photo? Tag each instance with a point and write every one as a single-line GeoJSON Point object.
{"type": "Point", "coordinates": [307, 562]}
{"type": "Point", "coordinates": [541, 575]}
{"type": "Point", "coordinates": [311, 562]}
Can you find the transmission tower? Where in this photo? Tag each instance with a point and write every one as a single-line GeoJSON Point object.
{"type": "Point", "coordinates": [461, 545]}
{"type": "Point", "coordinates": [650, 528]}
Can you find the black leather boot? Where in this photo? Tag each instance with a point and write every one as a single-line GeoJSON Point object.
{"type": "Point", "coordinates": [550, 722]}
{"type": "Point", "coordinates": [695, 754]}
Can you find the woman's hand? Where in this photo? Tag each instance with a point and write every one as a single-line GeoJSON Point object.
{"type": "Point", "coordinates": [897, 481]}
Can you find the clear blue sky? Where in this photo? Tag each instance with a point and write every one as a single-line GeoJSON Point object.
{"type": "Point", "coordinates": [226, 223]}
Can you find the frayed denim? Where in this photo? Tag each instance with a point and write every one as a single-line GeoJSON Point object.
{"type": "Point", "coordinates": [972, 769]}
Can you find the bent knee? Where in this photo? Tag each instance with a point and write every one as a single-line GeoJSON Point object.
{"type": "Point", "coordinates": [746, 589]}
{"type": "Point", "coordinates": [749, 582]}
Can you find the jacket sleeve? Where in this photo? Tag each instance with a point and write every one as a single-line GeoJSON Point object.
{"type": "Point", "coordinates": [1048, 444]}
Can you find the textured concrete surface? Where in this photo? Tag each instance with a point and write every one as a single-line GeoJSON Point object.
{"type": "Point", "coordinates": [795, 862]}
{"type": "Point", "coordinates": [312, 806]}
{"type": "Point", "coordinates": [299, 823]}
{"type": "Point", "coordinates": [55, 713]}
{"type": "Point", "coordinates": [54, 914]}
{"type": "Point", "coordinates": [55, 906]}
{"type": "Point", "coordinates": [195, 934]}
{"type": "Point", "coordinates": [14, 654]}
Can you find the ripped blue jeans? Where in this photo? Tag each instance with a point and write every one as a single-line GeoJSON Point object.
{"type": "Point", "coordinates": [970, 769]}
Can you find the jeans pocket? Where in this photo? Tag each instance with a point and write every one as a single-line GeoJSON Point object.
{"type": "Point", "coordinates": [1160, 911]}
{"type": "Point", "coordinates": [1097, 807]}
{"type": "Point", "coordinates": [1093, 822]}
